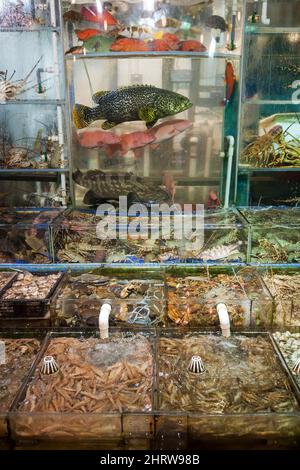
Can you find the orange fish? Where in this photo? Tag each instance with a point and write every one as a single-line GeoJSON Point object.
{"type": "Point", "coordinates": [159, 45]}
{"type": "Point", "coordinates": [85, 34]}
{"type": "Point", "coordinates": [171, 39]}
{"type": "Point", "coordinates": [191, 46]}
{"type": "Point", "coordinates": [129, 45]}
{"type": "Point", "coordinates": [91, 14]}
{"type": "Point", "coordinates": [96, 138]}
{"type": "Point", "coordinates": [230, 80]}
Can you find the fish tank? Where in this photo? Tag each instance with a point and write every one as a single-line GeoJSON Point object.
{"type": "Point", "coordinates": [269, 128]}
{"type": "Point", "coordinates": [83, 236]}
{"type": "Point", "coordinates": [274, 233]}
{"type": "Point", "coordinates": [192, 296]}
{"type": "Point", "coordinates": [142, 401]}
{"type": "Point", "coordinates": [33, 131]}
{"type": "Point", "coordinates": [114, 404]}
{"type": "Point", "coordinates": [18, 350]}
{"type": "Point", "coordinates": [28, 14]}
{"type": "Point", "coordinates": [88, 236]}
{"type": "Point", "coordinates": [245, 367]}
{"type": "Point", "coordinates": [167, 61]}
{"type": "Point", "coordinates": [283, 284]}
{"type": "Point", "coordinates": [288, 342]}
{"type": "Point", "coordinates": [136, 298]}
{"type": "Point", "coordinates": [25, 235]}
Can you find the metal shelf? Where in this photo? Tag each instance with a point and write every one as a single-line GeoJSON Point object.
{"type": "Point", "coordinates": [33, 170]}
{"type": "Point", "coordinates": [170, 54]}
{"type": "Point", "coordinates": [261, 29]}
{"type": "Point", "coordinates": [268, 102]}
{"type": "Point", "coordinates": [16, 29]}
{"type": "Point", "coordinates": [246, 171]}
{"type": "Point", "coordinates": [33, 101]}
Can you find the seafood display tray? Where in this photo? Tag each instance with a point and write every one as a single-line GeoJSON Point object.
{"type": "Point", "coordinates": [153, 425]}
{"type": "Point", "coordinates": [108, 425]}
{"type": "Point", "coordinates": [12, 334]}
{"type": "Point", "coordinates": [22, 308]}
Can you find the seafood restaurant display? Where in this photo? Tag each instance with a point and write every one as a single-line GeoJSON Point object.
{"type": "Point", "coordinates": [149, 224]}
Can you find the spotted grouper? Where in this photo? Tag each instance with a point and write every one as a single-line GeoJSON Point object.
{"type": "Point", "coordinates": [134, 103]}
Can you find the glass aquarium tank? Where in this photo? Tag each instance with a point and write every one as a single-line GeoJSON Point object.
{"type": "Point", "coordinates": [17, 353]}
{"type": "Point", "coordinates": [192, 296]}
{"type": "Point", "coordinates": [136, 297]}
{"type": "Point", "coordinates": [274, 234]}
{"type": "Point", "coordinates": [283, 284]}
{"type": "Point", "coordinates": [25, 235]}
{"type": "Point", "coordinates": [33, 131]}
{"type": "Point", "coordinates": [109, 397]}
{"type": "Point", "coordinates": [210, 386]}
{"type": "Point", "coordinates": [288, 343]}
{"type": "Point", "coordinates": [269, 151]}
{"type": "Point", "coordinates": [83, 236]}
{"type": "Point", "coordinates": [129, 65]}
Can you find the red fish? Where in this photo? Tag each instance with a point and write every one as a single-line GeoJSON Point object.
{"type": "Point", "coordinates": [85, 34]}
{"type": "Point", "coordinates": [91, 14]}
{"type": "Point", "coordinates": [230, 80]}
{"type": "Point", "coordinates": [191, 46]}
{"type": "Point", "coordinates": [171, 39]}
{"type": "Point", "coordinates": [96, 138]}
{"type": "Point", "coordinates": [136, 140]}
{"type": "Point", "coordinates": [159, 45]}
{"type": "Point", "coordinates": [129, 45]}
{"type": "Point", "coordinates": [168, 129]}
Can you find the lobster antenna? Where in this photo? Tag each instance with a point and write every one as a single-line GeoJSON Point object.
{"type": "Point", "coordinates": [28, 75]}
{"type": "Point", "coordinates": [88, 77]}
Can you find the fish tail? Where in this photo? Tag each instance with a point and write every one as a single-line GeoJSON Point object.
{"type": "Point", "coordinates": [82, 116]}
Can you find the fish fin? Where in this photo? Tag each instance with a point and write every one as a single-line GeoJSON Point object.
{"type": "Point", "coordinates": [98, 95]}
{"type": "Point", "coordinates": [92, 199]}
{"type": "Point", "coordinates": [151, 124]}
{"type": "Point", "coordinates": [108, 125]}
{"type": "Point", "coordinates": [82, 116]}
{"type": "Point", "coordinates": [147, 114]}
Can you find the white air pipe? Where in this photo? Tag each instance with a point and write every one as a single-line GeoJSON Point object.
{"type": "Point", "coordinates": [264, 14]}
{"type": "Point", "coordinates": [104, 321]}
{"type": "Point", "coordinates": [230, 139]}
{"type": "Point", "coordinates": [224, 319]}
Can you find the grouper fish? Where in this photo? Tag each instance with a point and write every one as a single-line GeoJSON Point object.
{"type": "Point", "coordinates": [109, 187]}
{"type": "Point", "coordinates": [134, 103]}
